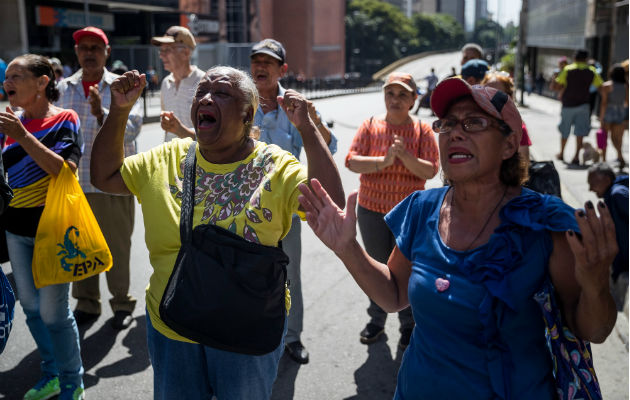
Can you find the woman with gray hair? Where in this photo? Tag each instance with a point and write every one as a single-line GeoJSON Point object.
{"type": "Point", "coordinates": [242, 185]}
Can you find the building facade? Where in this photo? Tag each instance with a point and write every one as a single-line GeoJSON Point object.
{"type": "Point", "coordinates": [312, 30]}
{"type": "Point", "coordinates": [557, 28]}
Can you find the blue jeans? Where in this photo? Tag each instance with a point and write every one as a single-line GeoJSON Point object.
{"type": "Point", "coordinates": [48, 315]}
{"type": "Point", "coordinates": [183, 370]}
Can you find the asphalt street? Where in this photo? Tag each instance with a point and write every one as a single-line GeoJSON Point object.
{"type": "Point", "coordinates": [117, 364]}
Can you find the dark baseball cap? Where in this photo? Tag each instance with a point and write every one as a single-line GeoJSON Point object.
{"type": "Point", "coordinates": [270, 47]}
{"type": "Point", "coordinates": [476, 68]}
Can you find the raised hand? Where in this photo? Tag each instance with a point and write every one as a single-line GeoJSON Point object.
{"type": "Point", "coordinates": [597, 249]}
{"type": "Point", "coordinates": [94, 98]}
{"type": "Point", "coordinates": [335, 227]}
{"type": "Point", "coordinates": [127, 88]}
{"type": "Point", "coordinates": [170, 123]}
{"type": "Point", "coordinates": [11, 125]}
{"type": "Point", "coordinates": [295, 106]}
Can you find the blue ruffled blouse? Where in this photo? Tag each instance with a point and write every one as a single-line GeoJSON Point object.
{"type": "Point", "coordinates": [479, 333]}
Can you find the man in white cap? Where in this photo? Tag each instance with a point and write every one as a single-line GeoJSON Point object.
{"type": "Point", "coordinates": [178, 88]}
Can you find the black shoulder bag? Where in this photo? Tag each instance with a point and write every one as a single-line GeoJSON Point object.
{"type": "Point", "coordinates": [224, 292]}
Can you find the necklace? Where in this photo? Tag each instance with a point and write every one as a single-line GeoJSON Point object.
{"type": "Point", "coordinates": [487, 219]}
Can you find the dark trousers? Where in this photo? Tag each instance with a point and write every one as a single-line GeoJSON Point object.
{"type": "Point", "coordinates": [379, 243]}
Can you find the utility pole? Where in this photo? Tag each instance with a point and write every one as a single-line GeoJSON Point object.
{"type": "Point", "coordinates": [86, 12]}
{"type": "Point", "coordinates": [521, 51]}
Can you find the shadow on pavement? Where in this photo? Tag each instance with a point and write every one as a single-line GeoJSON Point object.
{"type": "Point", "coordinates": [16, 382]}
{"type": "Point", "coordinates": [98, 345]}
{"type": "Point", "coordinates": [376, 378]}
{"type": "Point", "coordinates": [284, 386]}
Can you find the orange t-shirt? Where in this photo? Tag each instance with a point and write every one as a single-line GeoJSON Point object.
{"type": "Point", "coordinates": [381, 191]}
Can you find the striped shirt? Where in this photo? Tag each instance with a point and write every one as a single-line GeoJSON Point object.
{"type": "Point", "coordinates": [73, 97]}
{"type": "Point", "coordinates": [178, 99]}
{"type": "Point", "coordinates": [60, 133]}
{"type": "Point", "coordinates": [381, 191]}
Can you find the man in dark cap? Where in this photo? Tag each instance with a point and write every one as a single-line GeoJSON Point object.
{"type": "Point", "coordinates": [473, 71]}
{"type": "Point", "coordinates": [268, 65]}
{"type": "Point", "coordinates": [88, 93]}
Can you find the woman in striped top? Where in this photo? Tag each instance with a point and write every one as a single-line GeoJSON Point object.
{"type": "Point", "coordinates": [395, 154]}
{"type": "Point", "coordinates": [37, 142]}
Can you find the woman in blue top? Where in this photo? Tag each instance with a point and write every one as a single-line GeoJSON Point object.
{"type": "Point", "coordinates": [470, 256]}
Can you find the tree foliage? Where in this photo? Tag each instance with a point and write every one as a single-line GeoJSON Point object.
{"type": "Point", "coordinates": [377, 34]}
{"type": "Point", "coordinates": [486, 33]}
{"type": "Point", "coordinates": [436, 32]}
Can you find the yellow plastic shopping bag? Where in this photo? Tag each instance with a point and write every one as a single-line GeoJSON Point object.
{"type": "Point", "coordinates": [69, 244]}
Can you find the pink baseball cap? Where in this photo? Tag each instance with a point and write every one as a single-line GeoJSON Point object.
{"type": "Point", "coordinates": [90, 31]}
{"type": "Point", "coordinates": [494, 102]}
{"type": "Point", "coordinates": [403, 79]}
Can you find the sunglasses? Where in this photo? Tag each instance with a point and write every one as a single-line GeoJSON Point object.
{"type": "Point", "coordinates": [470, 124]}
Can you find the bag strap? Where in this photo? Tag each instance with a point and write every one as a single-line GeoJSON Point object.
{"type": "Point", "coordinates": [188, 188]}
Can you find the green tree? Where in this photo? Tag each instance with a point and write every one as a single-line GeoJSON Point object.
{"type": "Point", "coordinates": [486, 33]}
{"type": "Point", "coordinates": [436, 32]}
{"type": "Point", "coordinates": [377, 34]}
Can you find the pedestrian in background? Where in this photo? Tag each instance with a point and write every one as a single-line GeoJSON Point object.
{"type": "Point", "coordinates": [395, 154]}
{"type": "Point", "coordinates": [178, 88]}
{"type": "Point", "coordinates": [268, 65]}
{"type": "Point", "coordinates": [225, 152]}
{"type": "Point", "coordinates": [38, 141]}
{"type": "Point", "coordinates": [614, 101]}
{"type": "Point", "coordinates": [474, 71]}
{"type": "Point", "coordinates": [88, 93]}
{"type": "Point", "coordinates": [425, 99]}
{"type": "Point", "coordinates": [503, 81]}
{"type": "Point", "coordinates": [469, 258]}
{"type": "Point", "coordinates": [614, 190]}
{"type": "Point", "coordinates": [471, 51]}
{"type": "Point", "coordinates": [574, 82]}
{"type": "Point", "coordinates": [3, 68]}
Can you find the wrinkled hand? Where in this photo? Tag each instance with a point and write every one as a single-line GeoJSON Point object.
{"type": "Point", "coordinates": [335, 227]}
{"type": "Point", "coordinates": [94, 98]}
{"type": "Point", "coordinates": [399, 148]}
{"type": "Point", "coordinates": [295, 106]}
{"type": "Point", "coordinates": [170, 123]}
{"type": "Point", "coordinates": [127, 88]}
{"type": "Point", "coordinates": [597, 249]}
{"type": "Point", "coordinates": [312, 113]}
{"type": "Point", "coordinates": [11, 125]}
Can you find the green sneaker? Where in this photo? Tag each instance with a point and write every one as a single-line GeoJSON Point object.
{"type": "Point", "coordinates": [72, 392]}
{"type": "Point", "coordinates": [45, 388]}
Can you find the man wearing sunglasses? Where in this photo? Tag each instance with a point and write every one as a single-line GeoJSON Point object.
{"type": "Point", "coordinates": [178, 88]}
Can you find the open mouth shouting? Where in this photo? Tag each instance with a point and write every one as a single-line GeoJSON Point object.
{"type": "Point", "coordinates": [458, 155]}
{"type": "Point", "coordinates": [206, 119]}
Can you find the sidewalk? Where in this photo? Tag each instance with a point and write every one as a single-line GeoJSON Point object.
{"type": "Point", "coordinates": [542, 115]}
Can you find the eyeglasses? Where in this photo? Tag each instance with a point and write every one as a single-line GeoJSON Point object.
{"type": "Point", "coordinates": [470, 124]}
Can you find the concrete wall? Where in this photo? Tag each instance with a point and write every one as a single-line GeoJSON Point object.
{"type": "Point", "coordinates": [12, 29]}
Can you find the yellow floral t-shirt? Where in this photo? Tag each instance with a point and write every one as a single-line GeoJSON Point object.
{"type": "Point", "coordinates": [254, 198]}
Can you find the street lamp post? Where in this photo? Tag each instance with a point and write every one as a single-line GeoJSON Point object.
{"type": "Point", "coordinates": [521, 51]}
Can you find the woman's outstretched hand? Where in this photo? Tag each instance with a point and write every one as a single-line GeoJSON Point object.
{"type": "Point", "coordinates": [596, 251]}
{"type": "Point", "coordinates": [335, 227]}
